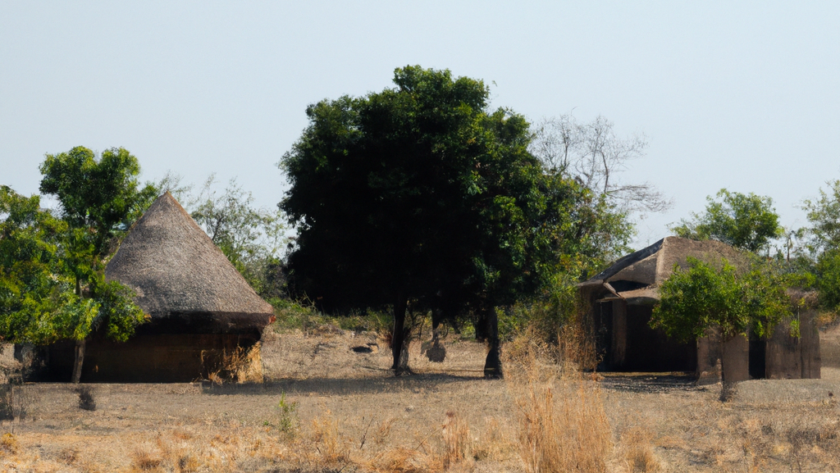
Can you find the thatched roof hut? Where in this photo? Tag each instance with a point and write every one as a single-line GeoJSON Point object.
{"type": "Point", "coordinates": [621, 300]}
{"type": "Point", "coordinates": [201, 308]}
{"type": "Point", "coordinates": [178, 272]}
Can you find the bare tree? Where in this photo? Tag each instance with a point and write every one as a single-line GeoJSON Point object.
{"type": "Point", "coordinates": [592, 154]}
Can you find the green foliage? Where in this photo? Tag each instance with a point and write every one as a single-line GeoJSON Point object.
{"type": "Point", "coordinates": [39, 302]}
{"type": "Point", "coordinates": [824, 215]}
{"type": "Point", "coordinates": [745, 221]}
{"type": "Point", "coordinates": [99, 201]}
{"type": "Point", "coordinates": [716, 296]}
{"type": "Point", "coordinates": [98, 196]}
{"type": "Point", "coordinates": [51, 271]}
{"type": "Point", "coordinates": [421, 192]}
{"type": "Point", "coordinates": [287, 422]}
{"type": "Point", "coordinates": [304, 316]}
{"type": "Point", "coordinates": [828, 279]}
{"type": "Point", "coordinates": [117, 311]}
{"type": "Point", "coordinates": [822, 259]}
{"type": "Point", "coordinates": [589, 234]}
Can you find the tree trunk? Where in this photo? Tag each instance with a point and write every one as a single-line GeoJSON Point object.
{"type": "Point", "coordinates": [727, 388]}
{"type": "Point", "coordinates": [493, 363]}
{"type": "Point", "coordinates": [80, 345]}
{"type": "Point", "coordinates": [399, 342]}
{"type": "Point", "coordinates": [77, 363]}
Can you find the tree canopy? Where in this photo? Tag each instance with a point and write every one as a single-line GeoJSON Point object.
{"type": "Point", "coordinates": [99, 195]}
{"type": "Point", "coordinates": [66, 295]}
{"type": "Point", "coordinates": [708, 295]}
{"type": "Point", "coordinates": [39, 302]}
{"type": "Point", "coordinates": [745, 221]}
{"type": "Point", "coordinates": [419, 193]}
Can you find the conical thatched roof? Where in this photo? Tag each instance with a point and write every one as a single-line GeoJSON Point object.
{"type": "Point", "coordinates": [176, 269]}
{"type": "Point", "coordinates": [642, 272]}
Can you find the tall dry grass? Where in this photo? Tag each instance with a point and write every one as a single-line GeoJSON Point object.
{"type": "Point", "coordinates": [240, 365]}
{"type": "Point", "coordinates": [563, 426]}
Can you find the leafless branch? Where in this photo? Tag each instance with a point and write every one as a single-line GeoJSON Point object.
{"type": "Point", "coordinates": [593, 155]}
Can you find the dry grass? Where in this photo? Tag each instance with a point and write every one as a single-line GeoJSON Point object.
{"type": "Point", "coordinates": [8, 444]}
{"type": "Point", "coordinates": [143, 460]}
{"type": "Point", "coordinates": [322, 446]}
{"type": "Point", "coordinates": [241, 365]}
{"type": "Point", "coordinates": [548, 415]}
{"type": "Point", "coordinates": [563, 424]}
{"type": "Point", "coordinates": [637, 446]}
{"type": "Point", "coordinates": [457, 444]}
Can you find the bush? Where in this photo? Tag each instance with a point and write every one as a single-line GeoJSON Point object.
{"type": "Point", "coordinates": [303, 315]}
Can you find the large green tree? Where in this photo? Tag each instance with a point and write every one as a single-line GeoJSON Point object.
{"type": "Point", "coordinates": [99, 199]}
{"type": "Point", "coordinates": [745, 221]}
{"type": "Point", "coordinates": [419, 195]}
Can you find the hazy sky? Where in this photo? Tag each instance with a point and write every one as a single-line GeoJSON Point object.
{"type": "Point", "coordinates": [739, 95]}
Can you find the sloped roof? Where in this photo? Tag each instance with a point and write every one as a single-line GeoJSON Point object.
{"type": "Point", "coordinates": [175, 268]}
{"type": "Point", "coordinates": [652, 265]}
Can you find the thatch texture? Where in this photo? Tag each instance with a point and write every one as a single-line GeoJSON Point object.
{"type": "Point", "coordinates": [176, 270]}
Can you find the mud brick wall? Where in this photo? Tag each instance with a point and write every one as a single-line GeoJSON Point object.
{"type": "Point", "coordinates": [147, 358]}
{"type": "Point", "coordinates": [790, 357]}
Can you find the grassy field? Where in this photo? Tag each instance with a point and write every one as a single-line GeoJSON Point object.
{"type": "Point", "coordinates": [326, 407]}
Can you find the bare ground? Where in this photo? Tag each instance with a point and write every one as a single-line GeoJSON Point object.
{"type": "Point", "coordinates": [351, 414]}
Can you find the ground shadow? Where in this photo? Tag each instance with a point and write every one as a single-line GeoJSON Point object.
{"type": "Point", "coordinates": [649, 382]}
{"type": "Point", "coordinates": [333, 386]}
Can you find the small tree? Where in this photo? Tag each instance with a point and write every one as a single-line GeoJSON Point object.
{"type": "Point", "coordinates": [707, 296]}
{"type": "Point", "coordinates": [41, 300]}
{"type": "Point", "coordinates": [99, 200]}
{"type": "Point", "coordinates": [745, 221]}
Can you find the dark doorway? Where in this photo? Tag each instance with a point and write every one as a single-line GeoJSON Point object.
{"type": "Point", "coordinates": [758, 357]}
{"type": "Point", "coordinates": [603, 334]}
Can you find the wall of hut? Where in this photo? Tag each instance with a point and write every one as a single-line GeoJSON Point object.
{"type": "Point", "coordinates": [159, 352]}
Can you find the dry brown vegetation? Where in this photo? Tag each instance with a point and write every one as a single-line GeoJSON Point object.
{"type": "Point", "coordinates": [350, 415]}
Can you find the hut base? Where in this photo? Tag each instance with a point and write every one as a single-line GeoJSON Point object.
{"type": "Point", "coordinates": [147, 358]}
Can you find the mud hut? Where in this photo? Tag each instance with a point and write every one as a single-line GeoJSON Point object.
{"type": "Point", "coordinates": [200, 306]}
{"type": "Point", "coordinates": [621, 300]}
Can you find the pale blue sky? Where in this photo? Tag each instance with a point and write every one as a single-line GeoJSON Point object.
{"type": "Point", "coordinates": [742, 95]}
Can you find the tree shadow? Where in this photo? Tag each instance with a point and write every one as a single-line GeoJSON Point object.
{"type": "Point", "coordinates": [337, 386]}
